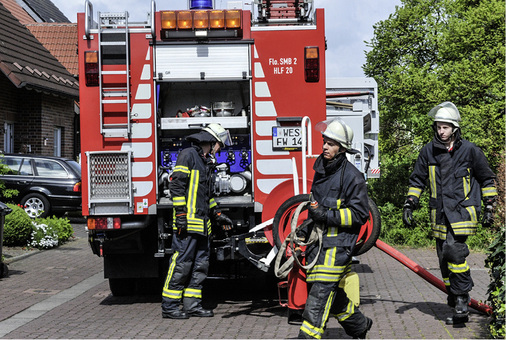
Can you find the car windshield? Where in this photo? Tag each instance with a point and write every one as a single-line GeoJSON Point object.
{"type": "Point", "coordinates": [75, 166]}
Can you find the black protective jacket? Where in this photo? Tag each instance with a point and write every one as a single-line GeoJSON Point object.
{"type": "Point", "coordinates": [454, 178]}
{"type": "Point", "coordinates": [340, 187]}
{"type": "Point", "coordinates": [190, 187]}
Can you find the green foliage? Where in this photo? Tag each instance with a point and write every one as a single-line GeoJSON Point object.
{"type": "Point", "coordinates": [61, 226]}
{"type": "Point", "coordinates": [6, 193]}
{"type": "Point", "coordinates": [425, 53]}
{"type": "Point", "coordinates": [17, 227]}
{"type": "Point", "coordinates": [495, 262]}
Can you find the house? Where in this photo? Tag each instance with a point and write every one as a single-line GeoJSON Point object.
{"type": "Point", "coordinates": [37, 93]}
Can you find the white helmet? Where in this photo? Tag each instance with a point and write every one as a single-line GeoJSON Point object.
{"type": "Point", "coordinates": [217, 131]}
{"type": "Point", "coordinates": [337, 130]}
{"type": "Point", "coordinates": [446, 112]}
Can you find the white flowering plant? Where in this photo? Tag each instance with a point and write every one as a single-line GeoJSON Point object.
{"type": "Point", "coordinates": [43, 236]}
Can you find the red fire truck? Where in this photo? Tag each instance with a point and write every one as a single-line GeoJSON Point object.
{"type": "Point", "coordinates": [260, 73]}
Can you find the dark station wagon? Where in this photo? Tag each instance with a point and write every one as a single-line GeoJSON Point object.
{"type": "Point", "coordinates": [47, 185]}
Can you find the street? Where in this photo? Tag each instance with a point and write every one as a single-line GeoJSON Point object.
{"type": "Point", "coordinates": [61, 293]}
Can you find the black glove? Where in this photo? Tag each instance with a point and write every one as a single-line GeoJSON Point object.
{"type": "Point", "coordinates": [223, 220]}
{"type": "Point", "coordinates": [317, 212]}
{"type": "Point", "coordinates": [488, 213]}
{"type": "Point", "coordinates": [407, 214]}
{"type": "Point", "coordinates": [181, 221]}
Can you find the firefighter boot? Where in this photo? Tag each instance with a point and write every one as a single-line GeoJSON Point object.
{"type": "Point", "coordinates": [368, 326]}
{"type": "Point", "coordinates": [200, 312]}
{"type": "Point", "coordinates": [170, 309]}
{"type": "Point", "coordinates": [461, 314]}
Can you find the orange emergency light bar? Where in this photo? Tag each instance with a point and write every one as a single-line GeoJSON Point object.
{"type": "Point", "coordinates": [201, 23]}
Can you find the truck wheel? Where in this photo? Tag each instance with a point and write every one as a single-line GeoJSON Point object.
{"type": "Point", "coordinates": [122, 287]}
{"type": "Point", "coordinates": [368, 235]}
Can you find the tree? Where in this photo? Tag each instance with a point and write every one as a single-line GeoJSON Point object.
{"type": "Point", "coordinates": [427, 52]}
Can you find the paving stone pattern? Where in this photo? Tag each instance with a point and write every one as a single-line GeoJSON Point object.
{"type": "Point", "coordinates": [401, 304]}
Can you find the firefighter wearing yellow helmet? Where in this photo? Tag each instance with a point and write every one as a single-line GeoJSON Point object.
{"type": "Point", "coordinates": [340, 206]}
{"type": "Point", "coordinates": [194, 211]}
{"type": "Point", "coordinates": [458, 176]}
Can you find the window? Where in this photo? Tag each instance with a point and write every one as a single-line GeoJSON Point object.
{"type": "Point", "coordinates": [9, 138]}
{"type": "Point", "coordinates": [57, 141]}
{"type": "Point", "coordinates": [48, 168]}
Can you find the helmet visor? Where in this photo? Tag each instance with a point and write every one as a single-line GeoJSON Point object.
{"type": "Point", "coordinates": [225, 137]}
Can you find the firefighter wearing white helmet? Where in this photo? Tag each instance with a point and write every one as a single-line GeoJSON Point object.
{"type": "Point", "coordinates": [446, 122]}
{"type": "Point", "coordinates": [194, 211]}
{"type": "Point", "coordinates": [339, 207]}
{"type": "Point", "coordinates": [458, 176]}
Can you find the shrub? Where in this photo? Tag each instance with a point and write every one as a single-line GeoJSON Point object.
{"type": "Point", "coordinates": [61, 226]}
{"type": "Point", "coordinates": [17, 227]}
{"type": "Point", "coordinates": [43, 236]}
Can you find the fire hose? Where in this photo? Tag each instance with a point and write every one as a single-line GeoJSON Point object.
{"type": "Point", "coordinates": [426, 275]}
{"type": "Point", "coordinates": [293, 243]}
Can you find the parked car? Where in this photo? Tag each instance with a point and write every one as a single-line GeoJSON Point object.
{"type": "Point", "coordinates": [47, 185]}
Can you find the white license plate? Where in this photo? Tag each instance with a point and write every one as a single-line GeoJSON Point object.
{"type": "Point", "coordinates": [286, 138]}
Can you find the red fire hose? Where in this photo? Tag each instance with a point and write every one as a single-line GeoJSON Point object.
{"type": "Point", "coordinates": [426, 275]}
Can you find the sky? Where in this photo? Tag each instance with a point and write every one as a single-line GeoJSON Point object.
{"type": "Point", "coordinates": [348, 24]}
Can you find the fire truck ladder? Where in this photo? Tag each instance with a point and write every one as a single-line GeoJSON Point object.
{"type": "Point", "coordinates": [114, 78]}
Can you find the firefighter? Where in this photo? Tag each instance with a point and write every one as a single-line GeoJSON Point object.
{"type": "Point", "coordinates": [455, 170]}
{"type": "Point", "coordinates": [194, 208]}
{"type": "Point", "coordinates": [340, 205]}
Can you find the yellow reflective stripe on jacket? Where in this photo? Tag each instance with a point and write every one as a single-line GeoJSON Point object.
{"type": "Point", "coordinates": [178, 201]}
{"type": "Point", "coordinates": [467, 184]}
{"type": "Point", "coordinates": [212, 203]}
{"type": "Point", "coordinates": [346, 219]}
{"type": "Point", "coordinates": [458, 268]}
{"type": "Point", "coordinates": [194, 293]}
{"type": "Point", "coordinates": [432, 180]}
{"type": "Point", "coordinates": [182, 168]}
{"type": "Point", "coordinates": [332, 231]}
{"type": "Point", "coordinates": [414, 192]}
{"type": "Point", "coordinates": [446, 281]}
{"type": "Point", "coordinates": [489, 191]}
{"type": "Point", "coordinates": [312, 331]}
{"type": "Point", "coordinates": [350, 310]}
{"type": "Point", "coordinates": [330, 257]}
{"type": "Point", "coordinates": [192, 194]}
{"type": "Point", "coordinates": [464, 227]}
{"type": "Point", "coordinates": [327, 274]}
{"type": "Point", "coordinates": [338, 204]}
{"type": "Point", "coordinates": [472, 213]}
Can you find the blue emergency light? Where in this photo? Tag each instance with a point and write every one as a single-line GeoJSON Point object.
{"type": "Point", "coordinates": [201, 4]}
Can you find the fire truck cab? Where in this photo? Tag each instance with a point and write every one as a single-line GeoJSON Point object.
{"type": "Point", "coordinates": [145, 86]}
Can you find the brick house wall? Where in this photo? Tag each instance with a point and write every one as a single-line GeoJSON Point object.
{"type": "Point", "coordinates": [35, 115]}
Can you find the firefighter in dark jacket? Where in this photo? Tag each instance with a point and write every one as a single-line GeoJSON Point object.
{"type": "Point", "coordinates": [340, 205]}
{"type": "Point", "coordinates": [459, 178]}
{"type": "Point", "coordinates": [194, 207]}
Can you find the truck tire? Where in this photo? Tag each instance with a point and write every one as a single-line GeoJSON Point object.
{"type": "Point", "coordinates": [368, 235]}
{"type": "Point", "coordinates": [122, 287]}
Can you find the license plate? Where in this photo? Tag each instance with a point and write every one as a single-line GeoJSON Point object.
{"type": "Point", "coordinates": [286, 138]}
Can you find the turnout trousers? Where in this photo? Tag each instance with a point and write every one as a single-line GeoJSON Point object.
{"type": "Point", "coordinates": [327, 298]}
{"type": "Point", "coordinates": [187, 271]}
{"type": "Point", "coordinates": [452, 253]}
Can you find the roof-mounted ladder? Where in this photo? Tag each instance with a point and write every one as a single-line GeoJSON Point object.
{"type": "Point", "coordinates": [114, 78]}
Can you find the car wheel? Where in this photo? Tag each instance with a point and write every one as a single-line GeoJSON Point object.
{"type": "Point", "coordinates": [36, 205]}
